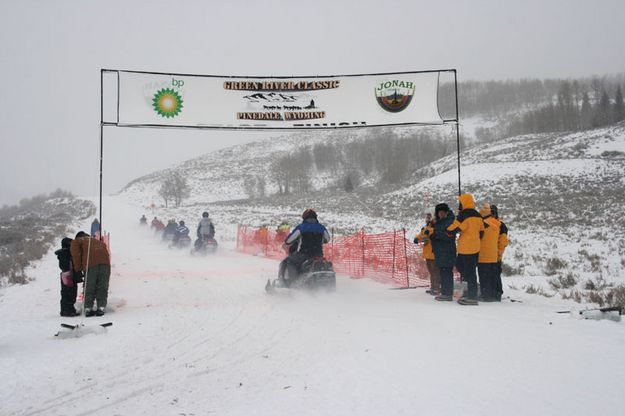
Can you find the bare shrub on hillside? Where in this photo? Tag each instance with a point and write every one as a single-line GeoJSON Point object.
{"type": "Point", "coordinates": [553, 265]}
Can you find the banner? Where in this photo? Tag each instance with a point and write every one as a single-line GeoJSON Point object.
{"type": "Point", "coordinates": [155, 99]}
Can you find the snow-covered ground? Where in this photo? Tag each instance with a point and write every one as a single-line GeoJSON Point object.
{"type": "Point", "coordinates": [199, 336]}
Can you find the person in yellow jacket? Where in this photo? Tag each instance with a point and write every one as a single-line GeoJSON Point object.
{"type": "Point", "coordinates": [502, 243]}
{"type": "Point", "coordinates": [489, 253]}
{"type": "Point", "coordinates": [470, 225]}
{"type": "Point", "coordinates": [428, 256]}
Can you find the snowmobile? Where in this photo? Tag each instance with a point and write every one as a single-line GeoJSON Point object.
{"type": "Point", "coordinates": [204, 246]}
{"type": "Point", "coordinates": [316, 273]}
{"type": "Point", "coordinates": [182, 242]}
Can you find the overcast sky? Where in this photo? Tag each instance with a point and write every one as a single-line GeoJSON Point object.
{"type": "Point", "coordinates": [52, 52]}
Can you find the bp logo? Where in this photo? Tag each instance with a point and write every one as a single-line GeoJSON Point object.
{"type": "Point", "coordinates": [167, 102]}
{"type": "Point", "coordinates": [394, 96]}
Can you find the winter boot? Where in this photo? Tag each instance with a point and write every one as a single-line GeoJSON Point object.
{"type": "Point", "coordinates": [444, 298]}
{"type": "Point", "coordinates": [99, 312]}
{"type": "Point", "coordinates": [467, 301]}
{"type": "Point", "coordinates": [89, 312]}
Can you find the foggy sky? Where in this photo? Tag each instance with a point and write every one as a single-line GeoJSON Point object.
{"type": "Point", "coordinates": [52, 51]}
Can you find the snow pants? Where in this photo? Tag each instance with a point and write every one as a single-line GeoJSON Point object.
{"type": "Point", "coordinates": [68, 299]}
{"type": "Point", "coordinates": [467, 265]}
{"type": "Point", "coordinates": [294, 263]}
{"type": "Point", "coordinates": [488, 275]}
{"type": "Point", "coordinates": [435, 277]}
{"type": "Point", "coordinates": [498, 285]}
{"type": "Point", "coordinates": [447, 280]}
{"type": "Point", "coordinates": [97, 285]}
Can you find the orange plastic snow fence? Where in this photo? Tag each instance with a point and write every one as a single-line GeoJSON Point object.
{"type": "Point", "coordinates": [387, 258]}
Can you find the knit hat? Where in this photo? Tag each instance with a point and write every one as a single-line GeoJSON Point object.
{"type": "Point", "coordinates": [441, 207]}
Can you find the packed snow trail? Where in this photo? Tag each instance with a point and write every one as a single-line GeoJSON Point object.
{"type": "Point", "coordinates": [198, 335]}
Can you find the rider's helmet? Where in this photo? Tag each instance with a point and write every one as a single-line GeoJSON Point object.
{"type": "Point", "coordinates": [205, 214]}
{"type": "Point", "coordinates": [309, 213]}
{"type": "Point", "coordinates": [181, 222]}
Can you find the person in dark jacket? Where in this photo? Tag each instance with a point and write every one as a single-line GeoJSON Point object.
{"type": "Point", "coordinates": [309, 236]}
{"type": "Point", "coordinates": [444, 248]}
{"type": "Point", "coordinates": [69, 287]}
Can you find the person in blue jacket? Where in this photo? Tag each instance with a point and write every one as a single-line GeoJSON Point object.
{"type": "Point", "coordinates": [95, 227]}
{"type": "Point", "coordinates": [309, 237]}
{"type": "Point", "coordinates": [444, 247]}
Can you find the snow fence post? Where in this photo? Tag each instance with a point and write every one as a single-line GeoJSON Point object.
{"type": "Point", "coordinates": [332, 244]}
{"type": "Point", "coordinates": [393, 269]}
{"type": "Point", "coordinates": [362, 231]}
{"type": "Point", "coordinates": [406, 257]}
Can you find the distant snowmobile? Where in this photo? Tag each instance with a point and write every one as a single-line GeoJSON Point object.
{"type": "Point", "coordinates": [182, 241]}
{"type": "Point", "coordinates": [316, 273]}
{"type": "Point", "coordinates": [204, 246]}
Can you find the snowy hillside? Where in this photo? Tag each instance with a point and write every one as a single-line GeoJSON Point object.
{"type": "Point", "coordinates": [558, 193]}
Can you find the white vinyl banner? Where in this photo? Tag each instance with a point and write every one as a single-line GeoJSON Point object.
{"type": "Point", "coordinates": [277, 102]}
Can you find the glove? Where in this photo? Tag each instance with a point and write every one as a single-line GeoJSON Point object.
{"type": "Point", "coordinates": [78, 277]}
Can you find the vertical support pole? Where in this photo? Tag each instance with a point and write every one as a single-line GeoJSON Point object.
{"type": "Point", "coordinates": [332, 244]}
{"type": "Point", "coordinates": [406, 258]}
{"type": "Point", "coordinates": [457, 130]}
{"type": "Point", "coordinates": [363, 252]}
{"type": "Point", "coordinates": [101, 142]}
{"type": "Point", "coordinates": [394, 240]}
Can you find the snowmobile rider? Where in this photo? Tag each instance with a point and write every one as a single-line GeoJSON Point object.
{"type": "Point", "coordinates": [143, 220]}
{"type": "Point", "coordinates": [205, 230]}
{"type": "Point", "coordinates": [309, 236]}
{"type": "Point", "coordinates": [170, 229]}
{"type": "Point", "coordinates": [181, 231]}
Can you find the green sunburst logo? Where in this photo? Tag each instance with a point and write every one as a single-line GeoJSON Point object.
{"type": "Point", "coordinates": [167, 102]}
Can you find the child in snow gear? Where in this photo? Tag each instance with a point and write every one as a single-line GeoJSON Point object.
{"type": "Point", "coordinates": [309, 237]}
{"type": "Point", "coordinates": [428, 256]}
{"type": "Point", "coordinates": [90, 257]}
{"type": "Point", "coordinates": [502, 243]}
{"type": "Point", "coordinates": [69, 287]}
{"type": "Point", "coordinates": [444, 248]}
{"type": "Point", "coordinates": [487, 260]}
{"type": "Point", "coordinates": [471, 228]}
{"type": "Point", "coordinates": [95, 228]}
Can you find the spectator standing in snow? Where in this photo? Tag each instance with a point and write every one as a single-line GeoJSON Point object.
{"type": "Point", "coordinates": [444, 249]}
{"type": "Point", "coordinates": [502, 243]}
{"type": "Point", "coordinates": [470, 225]}
{"type": "Point", "coordinates": [69, 287]}
{"type": "Point", "coordinates": [487, 260]}
{"type": "Point", "coordinates": [95, 228]}
{"type": "Point", "coordinates": [428, 256]}
{"type": "Point", "coordinates": [91, 259]}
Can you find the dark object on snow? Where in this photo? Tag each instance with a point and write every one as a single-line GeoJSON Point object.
{"type": "Point", "coordinates": [315, 273]}
{"type": "Point", "coordinates": [618, 309]}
